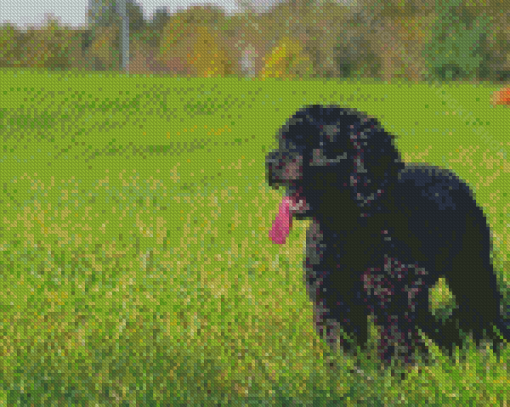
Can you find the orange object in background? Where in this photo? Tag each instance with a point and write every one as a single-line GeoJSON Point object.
{"type": "Point", "coordinates": [502, 97]}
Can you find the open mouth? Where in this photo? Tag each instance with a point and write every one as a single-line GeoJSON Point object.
{"type": "Point", "coordinates": [292, 203]}
{"type": "Point", "coordinates": [297, 202]}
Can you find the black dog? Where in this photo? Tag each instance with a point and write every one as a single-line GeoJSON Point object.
{"type": "Point", "coordinates": [383, 232]}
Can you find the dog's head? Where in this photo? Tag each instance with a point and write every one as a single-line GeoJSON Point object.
{"type": "Point", "coordinates": [330, 153]}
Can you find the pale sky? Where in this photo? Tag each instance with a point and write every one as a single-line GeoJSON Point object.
{"type": "Point", "coordinates": [24, 13]}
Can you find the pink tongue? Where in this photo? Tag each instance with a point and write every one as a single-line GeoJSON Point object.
{"type": "Point", "coordinates": [282, 223]}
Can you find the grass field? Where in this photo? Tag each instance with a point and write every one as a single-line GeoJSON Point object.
{"type": "Point", "coordinates": [135, 263]}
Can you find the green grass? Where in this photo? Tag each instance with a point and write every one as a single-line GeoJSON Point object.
{"type": "Point", "coordinates": [135, 262]}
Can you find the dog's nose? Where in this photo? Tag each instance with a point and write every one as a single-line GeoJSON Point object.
{"type": "Point", "coordinates": [272, 157]}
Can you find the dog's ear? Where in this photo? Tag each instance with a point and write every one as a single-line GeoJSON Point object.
{"type": "Point", "coordinates": [376, 161]}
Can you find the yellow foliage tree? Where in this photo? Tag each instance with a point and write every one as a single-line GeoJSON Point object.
{"type": "Point", "coordinates": [175, 32]}
{"type": "Point", "coordinates": [207, 57]}
{"type": "Point", "coordinates": [175, 44]}
{"type": "Point", "coordinates": [287, 61]}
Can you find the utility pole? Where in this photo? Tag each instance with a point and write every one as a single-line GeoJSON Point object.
{"type": "Point", "coordinates": [92, 12]}
{"type": "Point", "coordinates": [124, 35]}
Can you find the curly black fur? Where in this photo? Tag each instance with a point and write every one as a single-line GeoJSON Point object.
{"type": "Point", "coordinates": [383, 233]}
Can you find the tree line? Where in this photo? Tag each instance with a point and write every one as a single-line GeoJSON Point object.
{"type": "Point", "coordinates": [413, 40]}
